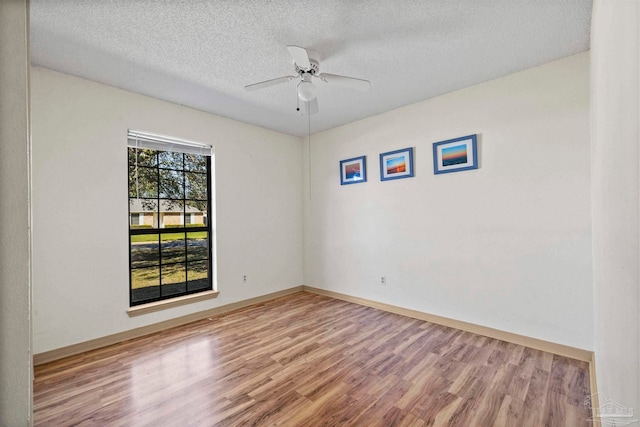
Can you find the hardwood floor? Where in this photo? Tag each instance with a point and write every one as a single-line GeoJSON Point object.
{"type": "Point", "coordinates": [310, 360]}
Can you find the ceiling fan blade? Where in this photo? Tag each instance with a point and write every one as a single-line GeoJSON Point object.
{"type": "Point", "coordinates": [312, 106]}
{"type": "Point", "coordinates": [350, 82]}
{"type": "Point", "coordinates": [268, 83]}
{"type": "Point", "coordinates": [300, 56]}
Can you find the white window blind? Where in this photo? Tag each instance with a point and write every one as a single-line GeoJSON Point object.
{"type": "Point", "coordinates": [137, 139]}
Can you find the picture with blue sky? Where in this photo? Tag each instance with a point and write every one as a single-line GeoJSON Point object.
{"type": "Point", "coordinates": [454, 155]}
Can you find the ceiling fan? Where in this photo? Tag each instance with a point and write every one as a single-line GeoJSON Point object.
{"type": "Point", "coordinates": [306, 64]}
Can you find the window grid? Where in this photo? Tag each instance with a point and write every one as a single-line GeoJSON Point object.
{"type": "Point", "coordinates": [188, 261]}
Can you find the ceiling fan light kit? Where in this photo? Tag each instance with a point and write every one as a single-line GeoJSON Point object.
{"type": "Point", "coordinates": [307, 90]}
{"type": "Point", "coordinates": [306, 64]}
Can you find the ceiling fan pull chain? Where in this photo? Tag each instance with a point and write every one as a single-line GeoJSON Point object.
{"type": "Point", "coordinates": [309, 156]}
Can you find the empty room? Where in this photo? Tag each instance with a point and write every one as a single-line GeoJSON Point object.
{"type": "Point", "coordinates": [412, 213]}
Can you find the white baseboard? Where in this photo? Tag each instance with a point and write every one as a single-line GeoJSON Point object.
{"type": "Point", "coordinates": [555, 348]}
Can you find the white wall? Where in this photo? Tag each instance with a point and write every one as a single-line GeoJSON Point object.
{"type": "Point", "coordinates": [506, 246]}
{"type": "Point", "coordinates": [15, 290]}
{"type": "Point", "coordinates": [615, 118]}
{"type": "Point", "coordinates": [80, 254]}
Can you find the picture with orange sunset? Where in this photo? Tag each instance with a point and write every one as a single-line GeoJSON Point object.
{"type": "Point", "coordinates": [396, 165]}
{"type": "Point", "coordinates": [454, 155]}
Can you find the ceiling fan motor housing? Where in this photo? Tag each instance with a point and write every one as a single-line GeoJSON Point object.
{"type": "Point", "coordinates": [314, 61]}
{"type": "Point", "coordinates": [315, 67]}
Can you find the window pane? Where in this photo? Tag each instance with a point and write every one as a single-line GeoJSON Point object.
{"type": "Point", "coordinates": [198, 208]}
{"type": "Point", "coordinates": [144, 250]}
{"type": "Point", "coordinates": [195, 162]}
{"type": "Point", "coordinates": [143, 213]}
{"type": "Point", "coordinates": [196, 186]}
{"type": "Point", "coordinates": [174, 279]}
{"type": "Point", "coordinates": [145, 157]}
{"type": "Point", "coordinates": [171, 213]}
{"type": "Point", "coordinates": [146, 184]}
{"type": "Point", "coordinates": [197, 245]}
{"type": "Point", "coordinates": [145, 284]}
{"type": "Point", "coordinates": [198, 275]}
{"type": "Point", "coordinates": [171, 184]}
{"type": "Point", "coordinates": [173, 249]}
{"type": "Point", "coordinates": [170, 160]}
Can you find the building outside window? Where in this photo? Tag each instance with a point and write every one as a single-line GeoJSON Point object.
{"type": "Point", "coordinates": [135, 218]}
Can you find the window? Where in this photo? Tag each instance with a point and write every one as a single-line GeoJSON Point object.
{"type": "Point", "coordinates": [169, 198]}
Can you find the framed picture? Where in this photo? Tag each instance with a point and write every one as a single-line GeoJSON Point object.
{"type": "Point", "coordinates": [353, 171]}
{"type": "Point", "coordinates": [455, 155]}
{"type": "Point", "coordinates": [396, 164]}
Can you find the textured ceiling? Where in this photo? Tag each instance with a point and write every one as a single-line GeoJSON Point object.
{"type": "Point", "coordinates": [202, 53]}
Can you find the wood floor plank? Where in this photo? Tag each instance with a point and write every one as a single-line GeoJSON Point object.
{"type": "Point", "coordinates": [510, 413]}
{"type": "Point", "coordinates": [310, 360]}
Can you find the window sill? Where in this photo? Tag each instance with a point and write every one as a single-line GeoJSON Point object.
{"type": "Point", "coordinates": [170, 303]}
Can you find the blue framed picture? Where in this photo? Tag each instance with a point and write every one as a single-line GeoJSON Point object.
{"type": "Point", "coordinates": [455, 155]}
{"type": "Point", "coordinates": [396, 164]}
{"type": "Point", "coordinates": [353, 171]}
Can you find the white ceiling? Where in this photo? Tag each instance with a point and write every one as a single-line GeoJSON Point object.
{"type": "Point", "coordinates": [202, 53]}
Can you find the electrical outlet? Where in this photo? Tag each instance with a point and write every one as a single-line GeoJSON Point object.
{"type": "Point", "coordinates": [383, 280]}
{"type": "Point", "coordinates": [244, 279]}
